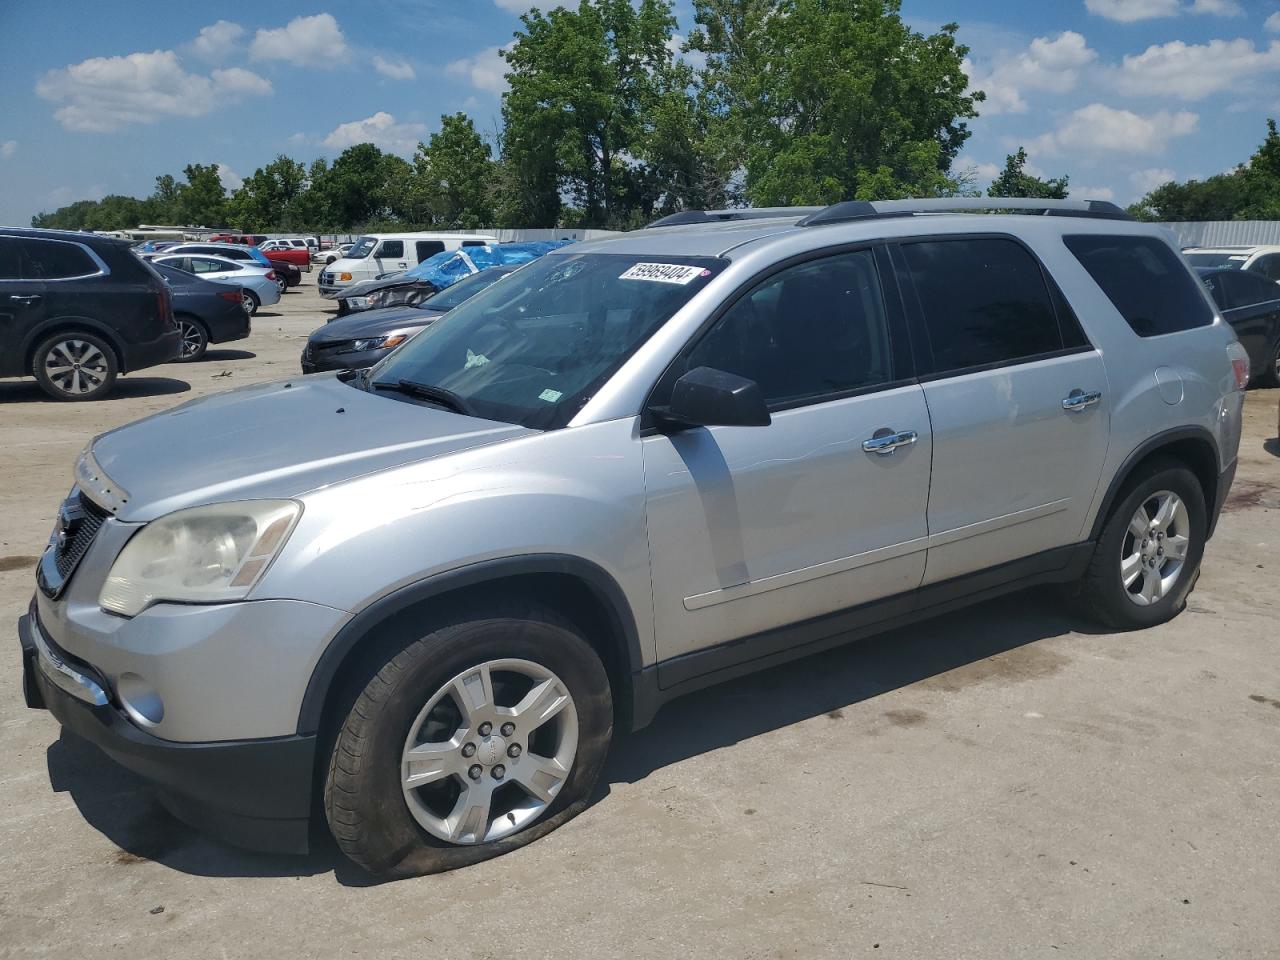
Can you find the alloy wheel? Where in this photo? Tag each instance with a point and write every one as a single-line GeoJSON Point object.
{"type": "Point", "coordinates": [1154, 549]}
{"type": "Point", "coordinates": [489, 752]}
{"type": "Point", "coordinates": [247, 301]}
{"type": "Point", "coordinates": [192, 340]}
{"type": "Point", "coordinates": [76, 367]}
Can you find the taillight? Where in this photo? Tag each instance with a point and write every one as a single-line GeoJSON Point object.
{"type": "Point", "coordinates": [271, 274]}
{"type": "Point", "coordinates": [231, 295]}
{"type": "Point", "coordinates": [164, 306]}
{"type": "Point", "coordinates": [1239, 363]}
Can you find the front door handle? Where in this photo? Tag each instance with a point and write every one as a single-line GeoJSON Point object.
{"type": "Point", "coordinates": [25, 298]}
{"type": "Point", "coordinates": [402, 265]}
{"type": "Point", "coordinates": [1079, 400]}
{"type": "Point", "coordinates": [884, 441]}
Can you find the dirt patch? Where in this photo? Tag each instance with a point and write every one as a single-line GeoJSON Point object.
{"type": "Point", "coordinates": [836, 715]}
{"type": "Point", "coordinates": [1030, 662]}
{"type": "Point", "coordinates": [17, 563]}
{"type": "Point", "coordinates": [906, 718]}
{"type": "Point", "coordinates": [1252, 494]}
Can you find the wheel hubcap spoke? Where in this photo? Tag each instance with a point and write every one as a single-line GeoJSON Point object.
{"type": "Point", "coordinates": [1131, 569]}
{"type": "Point", "coordinates": [469, 821]}
{"type": "Point", "coordinates": [429, 763]}
{"type": "Point", "coordinates": [540, 704]}
{"type": "Point", "coordinates": [542, 777]}
{"type": "Point", "coordinates": [475, 694]}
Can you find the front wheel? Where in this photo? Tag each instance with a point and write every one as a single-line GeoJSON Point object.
{"type": "Point", "coordinates": [1148, 558]}
{"type": "Point", "coordinates": [75, 366]}
{"type": "Point", "coordinates": [468, 743]}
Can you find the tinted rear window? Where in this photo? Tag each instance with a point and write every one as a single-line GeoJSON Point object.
{"type": "Point", "coordinates": [1248, 289]}
{"type": "Point", "coordinates": [984, 302]}
{"type": "Point", "coordinates": [1146, 282]}
{"type": "Point", "coordinates": [56, 260]}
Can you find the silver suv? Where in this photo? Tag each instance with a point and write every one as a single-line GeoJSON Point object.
{"type": "Point", "coordinates": [420, 597]}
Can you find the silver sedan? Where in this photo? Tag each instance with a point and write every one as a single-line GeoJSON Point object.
{"type": "Point", "coordinates": [257, 283]}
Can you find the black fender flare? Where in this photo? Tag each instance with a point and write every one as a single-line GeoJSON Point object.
{"type": "Point", "coordinates": [602, 585]}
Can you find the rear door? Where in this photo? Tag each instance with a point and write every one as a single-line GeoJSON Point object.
{"type": "Point", "coordinates": [21, 305]}
{"type": "Point", "coordinates": [1017, 398]}
{"type": "Point", "coordinates": [426, 249]}
{"type": "Point", "coordinates": [753, 528]}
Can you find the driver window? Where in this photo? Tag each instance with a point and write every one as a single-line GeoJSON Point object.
{"type": "Point", "coordinates": [391, 249]}
{"type": "Point", "coordinates": [807, 334]}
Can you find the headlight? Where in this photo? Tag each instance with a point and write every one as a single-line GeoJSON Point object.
{"type": "Point", "coordinates": [206, 554]}
{"type": "Point", "coordinates": [392, 339]}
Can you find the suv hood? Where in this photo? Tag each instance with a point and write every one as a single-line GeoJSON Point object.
{"type": "Point", "coordinates": [277, 440]}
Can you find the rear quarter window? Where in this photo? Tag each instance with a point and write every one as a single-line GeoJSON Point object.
{"type": "Point", "coordinates": [1145, 281]}
{"type": "Point", "coordinates": [57, 260]}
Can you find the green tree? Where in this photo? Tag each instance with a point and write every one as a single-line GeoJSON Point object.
{"type": "Point", "coordinates": [265, 199]}
{"type": "Point", "coordinates": [202, 200]}
{"type": "Point", "coordinates": [1014, 181]}
{"type": "Point", "coordinates": [825, 100]}
{"type": "Point", "coordinates": [583, 84]}
{"type": "Point", "coordinates": [454, 175]}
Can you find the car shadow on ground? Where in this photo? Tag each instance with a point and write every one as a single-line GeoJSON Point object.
{"type": "Point", "coordinates": [265, 313]}
{"type": "Point", "coordinates": [1272, 446]}
{"type": "Point", "coordinates": [28, 391]}
{"type": "Point", "coordinates": [213, 356]}
{"type": "Point", "coordinates": [990, 643]}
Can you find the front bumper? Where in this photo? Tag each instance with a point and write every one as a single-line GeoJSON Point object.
{"type": "Point", "coordinates": [319, 361]}
{"type": "Point", "coordinates": [251, 793]}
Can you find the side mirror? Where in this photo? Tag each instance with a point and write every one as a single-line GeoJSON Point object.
{"type": "Point", "coordinates": [706, 397]}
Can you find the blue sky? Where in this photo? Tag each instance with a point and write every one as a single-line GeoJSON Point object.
{"type": "Point", "coordinates": [100, 98]}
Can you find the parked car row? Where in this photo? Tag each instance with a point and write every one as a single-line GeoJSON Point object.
{"type": "Point", "coordinates": [377, 254]}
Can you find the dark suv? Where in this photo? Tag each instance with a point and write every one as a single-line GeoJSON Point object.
{"type": "Point", "coordinates": [77, 309]}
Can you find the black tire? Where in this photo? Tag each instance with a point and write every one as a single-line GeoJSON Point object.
{"type": "Point", "coordinates": [1271, 375]}
{"type": "Point", "coordinates": [195, 339]}
{"type": "Point", "coordinates": [51, 357]}
{"type": "Point", "coordinates": [343, 309]}
{"type": "Point", "coordinates": [1103, 589]}
{"type": "Point", "coordinates": [363, 800]}
{"type": "Point", "coordinates": [254, 300]}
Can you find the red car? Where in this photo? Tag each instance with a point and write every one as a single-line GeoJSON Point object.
{"type": "Point", "coordinates": [278, 251]}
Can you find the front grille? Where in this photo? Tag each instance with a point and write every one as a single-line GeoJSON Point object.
{"type": "Point", "coordinates": [326, 277]}
{"type": "Point", "coordinates": [82, 519]}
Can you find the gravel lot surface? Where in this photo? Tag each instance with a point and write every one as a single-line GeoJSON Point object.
{"type": "Point", "coordinates": [1006, 782]}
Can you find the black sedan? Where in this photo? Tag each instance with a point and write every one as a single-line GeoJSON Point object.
{"type": "Point", "coordinates": [206, 312]}
{"type": "Point", "coordinates": [1251, 304]}
{"type": "Point", "coordinates": [359, 341]}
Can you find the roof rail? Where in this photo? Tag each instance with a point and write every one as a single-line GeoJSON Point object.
{"type": "Point", "coordinates": [865, 210]}
{"type": "Point", "coordinates": [686, 217]}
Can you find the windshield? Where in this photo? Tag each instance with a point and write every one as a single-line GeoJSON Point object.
{"type": "Point", "coordinates": [465, 289]}
{"type": "Point", "coordinates": [533, 349]}
{"type": "Point", "coordinates": [362, 248]}
{"type": "Point", "coordinates": [1206, 260]}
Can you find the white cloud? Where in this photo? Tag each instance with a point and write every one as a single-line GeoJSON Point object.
{"type": "Point", "coordinates": [305, 42]}
{"type": "Point", "coordinates": [105, 93]}
{"type": "Point", "coordinates": [231, 180]}
{"type": "Point", "coordinates": [1051, 65]}
{"type": "Point", "coordinates": [381, 130]}
{"type": "Point", "coordinates": [1144, 181]}
{"type": "Point", "coordinates": [217, 41]}
{"type": "Point", "coordinates": [979, 171]}
{"type": "Point", "coordinates": [1130, 11]}
{"type": "Point", "coordinates": [1195, 71]}
{"type": "Point", "coordinates": [1090, 193]}
{"type": "Point", "coordinates": [1273, 23]}
{"type": "Point", "coordinates": [8, 148]}
{"type": "Point", "coordinates": [516, 6]}
{"type": "Point", "coordinates": [1217, 8]}
{"type": "Point", "coordinates": [485, 71]}
{"type": "Point", "coordinates": [394, 70]}
{"type": "Point", "coordinates": [1098, 129]}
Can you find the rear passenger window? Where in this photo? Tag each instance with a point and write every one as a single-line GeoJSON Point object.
{"type": "Point", "coordinates": [1248, 289]}
{"type": "Point", "coordinates": [428, 248]}
{"type": "Point", "coordinates": [1145, 280]}
{"type": "Point", "coordinates": [984, 302]}
{"type": "Point", "coordinates": [54, 260]}
{"type": "Point", "coordinates": [391, 248]}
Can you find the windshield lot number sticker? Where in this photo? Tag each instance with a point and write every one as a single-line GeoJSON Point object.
{"type": "Point", "coordinates": [550, 396]}
{"type": "Point", "coordinates": [664, 273]}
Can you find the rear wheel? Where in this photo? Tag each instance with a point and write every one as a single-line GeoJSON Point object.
{"type": "Point", "coordinates": [468, 743]}
{"type": "Point", "coordinates": [250, 301]}
{"type": "Point", "coordinates": [195, 339]}
{"type": "Point", "coordinates": [1148, 558]}
{"type": "Point", "coordinates": [1271, 377]}
{"type": "Point", "coordinates": [282, 283]}
{"type": "Point", "coordinates": [75, 366]}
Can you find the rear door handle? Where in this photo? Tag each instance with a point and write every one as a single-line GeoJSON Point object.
{"type": "Point", "coordinates": [884, 441]}
{"type": "Point", "coordinates": [25, 298]}
{"type": "Point", "coordinates": [1079, 400]}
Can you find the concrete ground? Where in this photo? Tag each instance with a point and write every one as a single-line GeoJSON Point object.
{"type": "Point", "coordinates": [1007, 782]}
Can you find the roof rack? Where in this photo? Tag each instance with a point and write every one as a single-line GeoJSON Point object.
{"type": "Point", "coordinates": [865, 210]}
{"type": "Point", "coordinates": [686, 217]}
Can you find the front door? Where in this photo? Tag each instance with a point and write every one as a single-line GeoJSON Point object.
{"type": "Point", "coordinates": [1017, 397]}
{"type": "Point", "coordinates": [390, 257]}
{"type": "Point", "coordinates": [752, 528]}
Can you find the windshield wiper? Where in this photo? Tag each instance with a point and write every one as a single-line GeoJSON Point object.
{"type": "Point", "coordinates": [427, 391]}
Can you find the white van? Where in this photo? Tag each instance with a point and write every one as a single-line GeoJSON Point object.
{"type": "Point", "coordinates": [376, 254]}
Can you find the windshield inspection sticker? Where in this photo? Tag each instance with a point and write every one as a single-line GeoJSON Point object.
{"type": "Point", "coordinates": [677, 273]}
{"type": "Point", "coordinates": [549, 395]}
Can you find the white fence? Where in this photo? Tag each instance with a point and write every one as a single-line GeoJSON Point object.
{"type": "Point", "coordinates": [1226, 233]}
